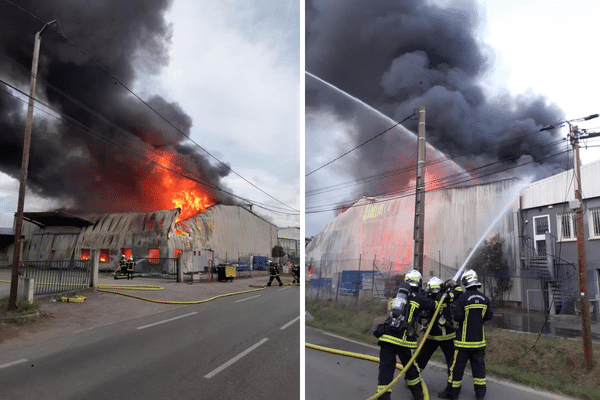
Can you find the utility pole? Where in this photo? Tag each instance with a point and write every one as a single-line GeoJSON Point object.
{"type": "Point", "coordinates": [12, 300]}
{"type": "Point", "coordinates": [419, 230]}
{"type": "Point", "coordinates": [586, 333]}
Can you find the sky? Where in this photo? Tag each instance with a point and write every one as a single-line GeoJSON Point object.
{"type": "Point", "coordinates": [226, 74]}
{"type": "Point", "coordinates": [487, 73]}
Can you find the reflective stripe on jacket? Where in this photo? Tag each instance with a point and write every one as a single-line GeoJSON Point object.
{"type": "Point", "coordinates": [471, 310]}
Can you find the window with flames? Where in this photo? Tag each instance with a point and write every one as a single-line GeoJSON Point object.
{"type": "Point", "coordinates": [84, 254]}
{"type": "Point", "coordinates": [153, 256]}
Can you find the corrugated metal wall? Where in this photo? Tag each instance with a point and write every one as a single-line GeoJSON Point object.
{"type": "Point", "coordinates": [455, 219]}
{"type": "Point", "coordinates": [231, 232]}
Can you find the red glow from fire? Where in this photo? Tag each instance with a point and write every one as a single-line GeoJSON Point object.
{"type": "Point", "coordinates": [431, 183]}
{"type": "Point", "coordinates": [104, 255]}
{"type": "Point", "coordinates": [85, 254]}
{"type": "Point", "coordinates": [153, 255]}
{"type": "Point", "coordinates": [172, 190]}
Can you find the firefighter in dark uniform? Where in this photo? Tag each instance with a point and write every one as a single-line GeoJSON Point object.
{"type": "Point", "coordinates": [296, 273]}
{"type": "Point", "coordinates": [122, 269]}
{"type": "Point", "coordinates": [442, 332]}
{"type": "Point", "coordinates": [471, 310]}
{"type": "Point", "coordinates": [274, 272]}
{"type": "Point", "coordinates": [130, 267]}
{"type": "Point", "coordinates": [398, 335]}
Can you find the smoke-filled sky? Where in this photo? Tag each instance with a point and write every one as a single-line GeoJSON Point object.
{"type": "Point", "coordinates": [489, 75]}
{"type": "Point", "coordinates": [225, 74]}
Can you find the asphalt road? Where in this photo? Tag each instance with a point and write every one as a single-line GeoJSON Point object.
{"type": "Point", "coordinates": [245, 346]}
{"type": "Point", "coordinates": [330, 376]}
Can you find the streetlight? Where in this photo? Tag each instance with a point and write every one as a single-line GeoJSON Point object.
{"type": "Point", "coordinates": [12, 300]}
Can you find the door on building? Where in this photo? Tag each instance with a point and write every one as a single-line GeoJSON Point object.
{"type": "Point", "coordinates": [201, 259]}
{"type": "Point", "coordinates": [541, 225]}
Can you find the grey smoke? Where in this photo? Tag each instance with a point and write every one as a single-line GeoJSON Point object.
{"type": "Point", "coordinates": [398, 55]}
{"type": "Point", "coordinates": [125, 38]}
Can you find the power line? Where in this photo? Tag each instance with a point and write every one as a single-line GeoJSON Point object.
{"type": "Point", "coordinates": [154, 110]}
{"type": "Point", "coordinates": [362, 144]}
{"type": "Point", "coordinates": [65, 118]}
{"type": "Point", "coordinates": [451, 182]}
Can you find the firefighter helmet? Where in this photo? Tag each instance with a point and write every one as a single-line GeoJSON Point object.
{"type": "Point", "coordinates": [434, 285]}
{"type": "Point", "coordinates": [130, 258]}
{"type": "Point", "coordinates": [469, 279]}
{"type": "Point", "coordinates": [414, 279]}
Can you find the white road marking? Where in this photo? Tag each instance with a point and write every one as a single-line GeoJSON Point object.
{"type": "Point", "coordinates": [289, 323]}
{"type": "Point", "coordinates": [234, 359]}
{"type": "Point", "coordinates": [166, 320]}
{"type": "Point", "coordinates": [10, 364]}
{"type": "Point", "coordinates": [351, 341]}
{"type": "Point", "coordinates": [247, 298]}
{"type": "Point", "coordinates": [284, 288]}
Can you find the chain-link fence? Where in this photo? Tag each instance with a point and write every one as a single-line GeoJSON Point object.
{"type": "Point", "coordinates": [531, 290]}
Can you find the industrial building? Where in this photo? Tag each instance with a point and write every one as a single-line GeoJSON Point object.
{"type": "Point", "coordinates": [219, 235]}
{"type": "Point", "coordinates": [536, 221]}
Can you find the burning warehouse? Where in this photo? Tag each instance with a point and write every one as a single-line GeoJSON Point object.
{"type": "Point", "coordinates": [222, 233]}
{"type": "Point", "coordinates": [376, 233]}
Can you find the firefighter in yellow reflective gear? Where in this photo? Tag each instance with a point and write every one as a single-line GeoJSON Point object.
{"type": "Point", "coordinates": [130, 267]}
{"type": "Point", "coordinates": [122, 268]}
{"type": "Point", "coordinates": [296, 273]}
{"type": "Point", "coordinates": [442, 332]}
{"type": "Point", "coordinates": [471, 311]}
{"type": "Point", "coordinates": [274, 273]}
{"type": "Point", "coordinates": [398, 335]}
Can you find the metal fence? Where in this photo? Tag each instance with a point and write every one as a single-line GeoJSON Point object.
{"type": "Point", "coordinates": [342, 281]}
{"type": "Point", "coordinates": [52, 277]}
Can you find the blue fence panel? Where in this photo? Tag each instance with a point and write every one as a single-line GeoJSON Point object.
{"type": "Point", "coordinates": [323, 283]}
{"type": "Point", "coordinates": [241, 265]}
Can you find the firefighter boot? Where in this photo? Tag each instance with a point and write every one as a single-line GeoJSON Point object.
{"type": "Point", "coordinates": [480, 391]}
{"type": "Point", "coordinates": [446, 393]}
{"type": "Point", "coordinates": [386, 396]}
{"type": "Point", "coordinates": [417, 391]}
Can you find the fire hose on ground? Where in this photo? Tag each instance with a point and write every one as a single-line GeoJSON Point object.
{"type": "Point", "coordinates": [415, 354]}
{"type": "Point", "coordinates": [109, 288]}
{"type": "Point", "coordinates": [376, 359]}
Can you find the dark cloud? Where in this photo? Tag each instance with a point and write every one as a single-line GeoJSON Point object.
{"type": "Point", "coordinates": [399, 55]}
{"type": "Point", "coordinates": [105, 169]}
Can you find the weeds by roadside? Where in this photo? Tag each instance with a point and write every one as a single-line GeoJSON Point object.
{"type": "Point", "coordinates": [553, 363]}
{"type": "Point", "coordinates": [23, 307]}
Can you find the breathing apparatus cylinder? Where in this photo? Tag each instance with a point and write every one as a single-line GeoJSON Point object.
{"type": "Point", "coordinates": [399, 305]}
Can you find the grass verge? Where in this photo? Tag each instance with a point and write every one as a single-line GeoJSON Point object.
{"type": "Point", "coordinates": [547, 362]}
{"type": "Point", "coordinates": [23, 307]}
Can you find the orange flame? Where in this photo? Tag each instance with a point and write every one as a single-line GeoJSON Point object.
{"type": "Point", "coordinates": [85, 254]}
{"type": "Point", "coordinates": [172, 190]}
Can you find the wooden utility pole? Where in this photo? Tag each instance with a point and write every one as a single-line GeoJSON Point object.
{"type": "Point", "coordinates": [419, 230]}
{"type": "Point", "coordinates": [14, 282]}
{"type": "Point", "coordinates": [586, 332]}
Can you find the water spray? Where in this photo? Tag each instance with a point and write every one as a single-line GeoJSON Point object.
{"type": "Point", "coordinates": [515, 194]}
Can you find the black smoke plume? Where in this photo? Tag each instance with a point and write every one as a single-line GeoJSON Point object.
{"type": "Point", "coordinates": [91, 161]}
{"type": "Point", "coordinates": [399, 55]}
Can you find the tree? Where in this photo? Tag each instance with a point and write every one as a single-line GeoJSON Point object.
{"type": "Point", "coordinates": [277, 252]}
{"type": "Point", "coordinates": [489, 262]}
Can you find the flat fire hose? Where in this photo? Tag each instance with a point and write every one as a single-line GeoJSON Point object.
{"type": "Point", "coordinates": [437, 310]}
{"type": "Point", "coordinates": [376, 359]}
{"type": "Point", "coordinates": [112, 288]}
